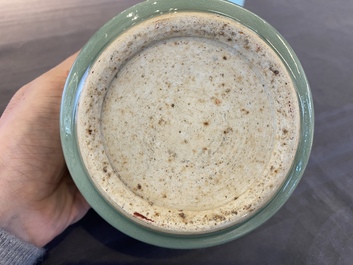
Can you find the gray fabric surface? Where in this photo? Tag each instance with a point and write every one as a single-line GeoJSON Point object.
{"type": "Point", "coordinates": [314, 227]}
{"type": "Point", "coordinates": [14, 251]}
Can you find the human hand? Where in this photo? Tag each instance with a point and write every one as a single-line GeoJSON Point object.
{"type": "Point", "coordinates": [38, 199]}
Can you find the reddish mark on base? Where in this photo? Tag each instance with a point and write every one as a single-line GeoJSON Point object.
{"type": "Point", "coordinates": [136, 214]}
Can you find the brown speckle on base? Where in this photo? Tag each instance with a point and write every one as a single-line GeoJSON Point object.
{"type": "Point", "coordinates": [275, 71]}
{"type": "Point", "coordinates": [216, 101]}
{"type": "Point", "coordinates": [182, 215]}
{"type": "Point", "coordinates": [218, 217]}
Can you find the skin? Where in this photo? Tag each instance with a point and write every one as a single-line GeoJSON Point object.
{"type": "Point", "coordinates": [38, 199]}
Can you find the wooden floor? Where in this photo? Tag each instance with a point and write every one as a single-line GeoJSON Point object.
{"type": "Point", "coordinates": [35, 35]}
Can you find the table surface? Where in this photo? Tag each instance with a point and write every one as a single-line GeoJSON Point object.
{"type": "Point", "coordinates": [316, 224]}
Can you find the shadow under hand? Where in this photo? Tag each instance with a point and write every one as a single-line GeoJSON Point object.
{"type": "Point", "coordinates": [93, 241]}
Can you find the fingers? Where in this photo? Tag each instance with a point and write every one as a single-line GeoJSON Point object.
{"type": "Point", "coordinates": [61, 71]}
{"type": "Point", "coordinates": [54, 79]}
{"type": "Point", "coordinates": [80, 209]}
{"type": "Point", "coordinates": [79, 204]}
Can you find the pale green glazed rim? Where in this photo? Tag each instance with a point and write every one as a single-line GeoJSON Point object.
{"type": "Point", "coordinates": [81, 67]}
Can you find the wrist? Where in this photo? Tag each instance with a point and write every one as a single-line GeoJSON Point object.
{"type": "Point", "coordinates": [15, 251]}
{"type": "Point", "coordinates": [9, 210]}
{"type": "Point", "coordinates": [9, 219]}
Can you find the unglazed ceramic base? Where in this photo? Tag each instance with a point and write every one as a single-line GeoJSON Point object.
{"type": "Point", "coordinates": [188, 122]}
